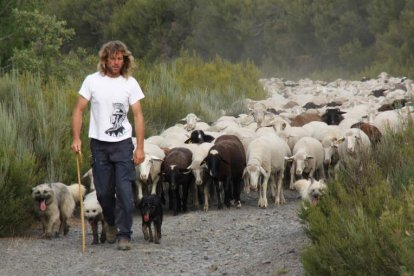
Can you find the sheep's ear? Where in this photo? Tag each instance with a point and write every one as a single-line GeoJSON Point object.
{"type": "Point", "coordinates": [208, 138]}
{"type": "Point", "coordinates": [262, 170]}
{"type": "Point", "coordinates": [155, 158]}
{"type": "Point", "coordinates": [283, 126]}
{"type": "Point", "coordinates": [185, 171]}
{"type": "Point", "coordinates": [244, 172]}
{"type": "Point", "coordinates": [341, 140]}
{"type": "Point", "coordinates": [308, 157]}
{"type": "Point", "coordinates": [204, 162]}
{"type": "Point", "coordinates": [188, 141]}
{"type": "Point", "coordinates": [289, 159]}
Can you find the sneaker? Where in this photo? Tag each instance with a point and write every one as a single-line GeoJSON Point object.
{"type": "Point", "coordinates": [111, 234]}
{"type": "Point", "coordinates": [124, 244]}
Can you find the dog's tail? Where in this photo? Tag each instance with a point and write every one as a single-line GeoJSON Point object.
{"type": "Point", "coordinates": [74, 190]}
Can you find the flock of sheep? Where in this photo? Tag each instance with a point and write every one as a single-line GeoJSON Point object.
{"type": "Point", "coordinates": [301, 133]}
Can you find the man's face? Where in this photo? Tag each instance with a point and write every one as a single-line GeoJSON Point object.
{"type": "Point", "coordinates": [114, 64]}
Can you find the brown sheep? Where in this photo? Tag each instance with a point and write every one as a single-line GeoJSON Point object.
{"type": "Point", "coordinates": [304, 118]}
{"type": "Point", "coordinates": [225, 162]}
{"type": "Point", "coordinates": [371, 131]}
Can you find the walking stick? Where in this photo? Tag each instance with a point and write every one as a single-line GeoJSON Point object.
{"type": "Point", "coordinates": [78, 157]}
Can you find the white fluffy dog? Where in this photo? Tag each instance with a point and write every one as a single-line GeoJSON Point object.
{"type": "Point", "coordinates": [93, 213]}
{"type": "Point", "coordinates": [310, 189]}
{"type": "Point", "coordinates": [54, 204]}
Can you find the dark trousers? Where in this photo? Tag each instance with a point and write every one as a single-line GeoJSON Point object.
{"type": "Point", "coordinates": [114, 176]}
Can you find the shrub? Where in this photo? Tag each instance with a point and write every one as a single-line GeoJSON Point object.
{"type": "Point", "coordinates": [365, 226]}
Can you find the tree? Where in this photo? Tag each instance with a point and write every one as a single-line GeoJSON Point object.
{"type": "Point", "coordinates": [42, 36]}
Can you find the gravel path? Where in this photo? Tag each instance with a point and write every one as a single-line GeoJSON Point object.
{"type": "Point", "coordinates": [246, 241]}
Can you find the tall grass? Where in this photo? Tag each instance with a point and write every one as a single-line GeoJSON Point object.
{"type": "Point", "coordinates": [365, 226]}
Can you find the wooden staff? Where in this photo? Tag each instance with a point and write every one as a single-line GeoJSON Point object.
{"type": "Point", "coordinates": [78, 158]}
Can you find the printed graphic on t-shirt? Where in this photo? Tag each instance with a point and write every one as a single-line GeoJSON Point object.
{"type": "Point", "coordinates": [117, 117]}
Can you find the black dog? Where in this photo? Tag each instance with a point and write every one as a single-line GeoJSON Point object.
{"type": "Point", "coordinates": [151, 212]}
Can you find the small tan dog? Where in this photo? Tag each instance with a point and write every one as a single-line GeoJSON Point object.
{"type": "Point", "coordinates": [54, 204]}
{"type": "Point", "coordinates": [310, 189]}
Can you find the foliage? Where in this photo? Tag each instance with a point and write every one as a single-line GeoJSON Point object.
{"type": "Point", "coordinates": [43, 36]}
{"type": "Point", "coordinates": [153, 29]}
{"type": "Point", "coordinates": [365, 225]}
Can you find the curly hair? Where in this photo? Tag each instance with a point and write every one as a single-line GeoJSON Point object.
{"type": "Point", "coordinates": [111, 48]}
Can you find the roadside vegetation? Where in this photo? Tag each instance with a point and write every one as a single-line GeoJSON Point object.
{"type": "Point", "coordinates": [365, 223]}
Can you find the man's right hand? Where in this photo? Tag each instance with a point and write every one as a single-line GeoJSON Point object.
{"type": "Point", "coordinates": [76, 145]}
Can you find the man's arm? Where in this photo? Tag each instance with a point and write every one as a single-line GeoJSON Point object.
{"type": "Point", "coordinates": [80, 106]}
{"type": "Point", "coordinates": [139, 154]}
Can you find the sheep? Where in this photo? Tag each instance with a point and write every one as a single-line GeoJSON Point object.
{"type": "Point", "coordinates": [314, 127]}
{"type": "Point", "coordinates": [225, 163]}
{"type": "Point", "coordinates": [371, 131]}
{"type": "Point", "coordinates": [198, 137]}
{"type": "Point", "coordinates": [148, 171]}
{"type": "Point", "coordinates": [332, 116]}
{"type": "Point", "coordinates": [244, 134]}
{"type": "Point", "coordinates": [74, 191]}
{"type": "Point", "coordinates": [191, 120]}
{"type": "Point", "coordinates": [390, 120]}
{"type": "Point", "coordinates": [292, 135]}
{"type": "Point", "coordinates": [175, 172]}
{"type": "Point", "coordinates": [258, 110]}
{"type": "Point", "coordinates": [156, 140]}
{"type": "Point", "coordinates": [200, 152]}
{"type": "Point", "coordinates": [307, 158]}
{"type": "Point", "coordinates": [280, 124]}
{"type": "Point", "coordinates": [329, 137]}
{"type": "Point", "coordinates": [352, 144]}
{"type": "Point", "coordinates": [304, 118]}
{"type": "Point", "coordinates": [265, 160]}
{"type": "Point", "coordinates": [89, 174]}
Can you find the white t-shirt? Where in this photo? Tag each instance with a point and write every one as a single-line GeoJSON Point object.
{"type": "Point", "coordinates": [110, 99]}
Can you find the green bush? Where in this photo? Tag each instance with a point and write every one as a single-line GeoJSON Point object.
{"type": "Point", "coordinates": [365, 226]}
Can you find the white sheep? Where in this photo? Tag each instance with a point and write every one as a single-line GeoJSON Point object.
{"type": "Point", "coordinates": [329, 137]}
{"type": "Point", "coordinates": [352, 144]}
{"type": "Point", "coordinates": [90, 175]}
{"type": "Point", "coordinates": [307, 158]}
{"type": "Point", "coordinates": [265, 161]}
{"type": "Point", "coordinates": [293, 134]}
{"type": "Point", "coordinates": [191, 121]}
{"type": "Point", "coordinates": [148, 171]}
{"type": "Point", "coordinates": [244, 134]}
{"type": "Point", "coordinates": [200, 152]}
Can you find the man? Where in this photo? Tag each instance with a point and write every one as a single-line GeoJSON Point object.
{"type": "Point", "coordinates": [111, 91]}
